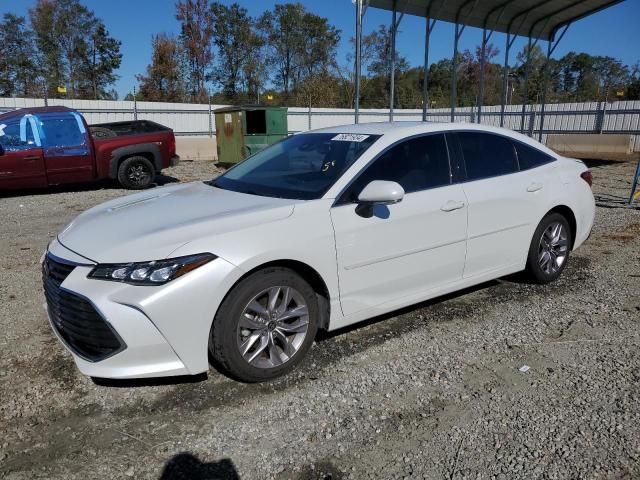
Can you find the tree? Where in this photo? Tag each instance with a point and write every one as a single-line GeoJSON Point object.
{"type": "Point", "coordinates": [68, 36]}
{"type": "Point", "coordinates": [19, 70]}
{"type": "Point", "coordinates": [281, 29]}
{"type": "Point", "coordinates": [196, 33]}
{"type": "Point", "coordinates": [164, 81]}
{"type": "Point", "coordinates": [103, 59]}
{"type": "Point", "coordinates": [238, 49]}
{"type": "Point", "coordinates": [300, 44]}
{"type": "Point", "coordinates": [380, 64]}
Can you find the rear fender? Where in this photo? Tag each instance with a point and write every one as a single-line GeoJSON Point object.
{"type": "Point", "coordinates": [142, 149]}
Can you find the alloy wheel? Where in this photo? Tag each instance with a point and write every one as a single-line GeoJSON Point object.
{"type": "Point", "coordinates": [139, 174]}
{"type": "Point", "coordinates": [553, 248]}
{"type": "Point", "coordinates": [272, 327]}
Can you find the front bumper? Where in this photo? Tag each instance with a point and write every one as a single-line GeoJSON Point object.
{"type": "Point", "coordinates": [174, 160]}
{"type": "Point", "coordinates": [164, 329]}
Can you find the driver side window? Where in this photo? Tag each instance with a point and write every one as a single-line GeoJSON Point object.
{"type": "Point", "coordinates": [416, 164]}
{"type": "Point", "coordinates": [16, 136]}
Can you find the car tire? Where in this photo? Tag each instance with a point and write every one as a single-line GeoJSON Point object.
{"type": "Point", "coordinates": [549, 249]}
{"type": "Point", "coordinates": [251, 338]}
{"type": "Point", "coordinates": [136, 173]}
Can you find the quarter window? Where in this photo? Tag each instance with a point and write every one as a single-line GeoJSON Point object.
{"type": "Point", "coordinates": [529, 157]}
{"type": "Point", "coordinates": [487, 155]}
{"type": "Point", "coordinates": [416, 164]}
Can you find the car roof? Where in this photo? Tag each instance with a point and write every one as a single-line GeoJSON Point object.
{"type": "Point", "coordinates": [36, 110]}
{"type": "Point", "coordinates": [394, 131]}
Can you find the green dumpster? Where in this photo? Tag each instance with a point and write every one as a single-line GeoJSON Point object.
{"type": "Point", "coordinates": [243, 131]}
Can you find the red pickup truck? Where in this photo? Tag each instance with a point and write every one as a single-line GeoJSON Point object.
{"type": "Point", "coordinates": [55, 145]}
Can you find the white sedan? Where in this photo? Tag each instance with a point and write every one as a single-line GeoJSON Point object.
{"type": "Point", "coordinates": [321, 230]}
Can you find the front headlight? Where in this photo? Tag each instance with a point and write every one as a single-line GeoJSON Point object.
{"type": "Point", "coordinates": [157, 272]}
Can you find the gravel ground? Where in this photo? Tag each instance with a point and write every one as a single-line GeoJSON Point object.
{"type": "Point", "coordinates": [433, 391]}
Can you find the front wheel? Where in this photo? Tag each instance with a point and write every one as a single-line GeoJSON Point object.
{"type": "Point", "coordinates": [265, 325]}
{"type": "Point", "coordinates": [136, 173]}
{"type": "Point", "coordinates": [549, 249]}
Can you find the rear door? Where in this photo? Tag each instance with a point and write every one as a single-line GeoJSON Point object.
{"type": "Point", "coordinates": [67, 148]}
{"type": "Point", "coordinates": [21, 158]}
{"type": "Point", "coordinates": [502, 202]}
{"type": "Point", "coordinates": [401, 251]}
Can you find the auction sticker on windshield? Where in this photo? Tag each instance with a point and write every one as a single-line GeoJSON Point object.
{"type": "Point", "coordinates": [350, 137]}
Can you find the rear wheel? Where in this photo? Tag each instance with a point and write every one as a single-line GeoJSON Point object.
{"type": "Point", "coordinates": [549, 249]}
{"type": "Point", "coordinates": [136, 173]}
{"type": "Point", "coordinates": [265, 326]}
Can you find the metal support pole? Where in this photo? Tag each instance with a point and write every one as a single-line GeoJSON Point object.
{"type": "Point", "coordinates": [525, 97]}
{"type": "Point", "coordinates": [544, 91]}
{"type": "Point", "coordinates": [505, 75]}
{"type": "Point", "coordinates": [392, 84]}
{"type": "Point", "coordinates": [634, 184]}
{"type": "Point", "coordinates": [545, 77]}
{"type": "Point", "coordinates": [485, 39]}
{"type": "Point", "coordinates": [358, 58]}
{"type": "Point", "coordinates": [425, 80]}
{"type": "Point", "coordinates": [454, 72]}
{"type": "Point", "coordinates": [210, 116]}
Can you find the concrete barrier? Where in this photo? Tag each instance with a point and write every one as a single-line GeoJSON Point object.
{"type": "Point", "coordinates": [196, 148]}
{"type": "Point", "coordinates": [593, 146]}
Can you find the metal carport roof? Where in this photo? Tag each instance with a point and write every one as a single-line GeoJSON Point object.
{"type": "Point", "coordinates": [534, 19]}
{"type": "Point", "coordinates": [527, 18]}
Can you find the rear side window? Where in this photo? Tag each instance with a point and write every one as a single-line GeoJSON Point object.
{"type": "Point", "coordinates": [486, 155]}
{"type": "Point", "coordinates": [530, 157]}
{"type": "Point", "coordinates": [62, 130]}
{"type": "Point", "coordinates": [416, 164]}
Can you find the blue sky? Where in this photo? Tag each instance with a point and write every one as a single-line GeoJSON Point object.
{"type": "Point", "coordinates": [613, 32]}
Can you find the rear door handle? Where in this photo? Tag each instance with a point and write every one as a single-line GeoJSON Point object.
{"type": "Point", "coordinates": [534, 187]}
{"type": "Point", "coordinates": [32, 158]}
{"type": "Point", "coordinates": [452, 205]}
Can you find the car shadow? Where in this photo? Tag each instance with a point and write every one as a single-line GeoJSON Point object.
{"type": "Point", "coordinates": [186, 466]}
{"type": "Point", "coordinates": [161, 180]}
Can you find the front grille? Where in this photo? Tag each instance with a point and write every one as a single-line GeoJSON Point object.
{"type": "Point", "coordinates": [75, 319]}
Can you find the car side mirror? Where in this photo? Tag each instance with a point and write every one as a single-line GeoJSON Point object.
{"type": "Point", "coordinates": [378, 193]}
{"type": "Point", "coordinates": [381, 192]}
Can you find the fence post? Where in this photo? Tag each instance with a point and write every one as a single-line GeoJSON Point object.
{"type": "Point", "coordinates": [309, 114]}
{"type": "Point", "coordinates": [135, 105]}
{"type": "Point", "coordinates": [210, 119]}
{"type": "Point", "coordinates": [600, 116]}
{"type": "Point", "coordinates": [532, 119]}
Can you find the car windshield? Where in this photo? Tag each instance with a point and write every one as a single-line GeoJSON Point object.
{"type": "Point", "coordinates": [301, 167]}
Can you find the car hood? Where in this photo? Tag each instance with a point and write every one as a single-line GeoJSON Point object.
{"type": "Point", "coordinates": [152, 224]}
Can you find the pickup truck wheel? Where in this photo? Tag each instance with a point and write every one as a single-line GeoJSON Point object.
{"type": "Point", "coordinates": [136, 173]}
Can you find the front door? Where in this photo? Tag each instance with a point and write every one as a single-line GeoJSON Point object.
{"type": "Point", "coordinates": [402, 251]}
{"type": "Point", "coordinates": [21, 159]}
{"type": "Point", "coordinates": [67, 148]}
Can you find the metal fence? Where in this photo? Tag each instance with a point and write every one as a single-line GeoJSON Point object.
{"type": "Point", "coordinates": [197, 119]}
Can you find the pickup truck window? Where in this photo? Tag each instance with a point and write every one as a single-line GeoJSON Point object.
{"type": "Point", "coordinates": [64, 131]}
{"type": "Point", "coordinates": [15, 138]}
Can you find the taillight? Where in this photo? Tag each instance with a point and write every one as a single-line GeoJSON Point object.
{"type": "Point", "coordinates": [172, 145]}
{"type": "Point", "coordinates": [587, 177]}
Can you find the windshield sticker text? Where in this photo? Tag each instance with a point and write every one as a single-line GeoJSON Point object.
{"type": "Point", "coordinates": [350, 137]}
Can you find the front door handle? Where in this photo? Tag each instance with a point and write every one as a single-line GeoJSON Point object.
{"type": "Point", "coordinates": [534, 187]}
{"type": "Point", "coordinates": [452, 205]}
{"type": "Point", "coordinates": [32, 158]}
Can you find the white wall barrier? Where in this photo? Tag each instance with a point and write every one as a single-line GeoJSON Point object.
{"type": "Point", "coordinates": [195, 119]}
